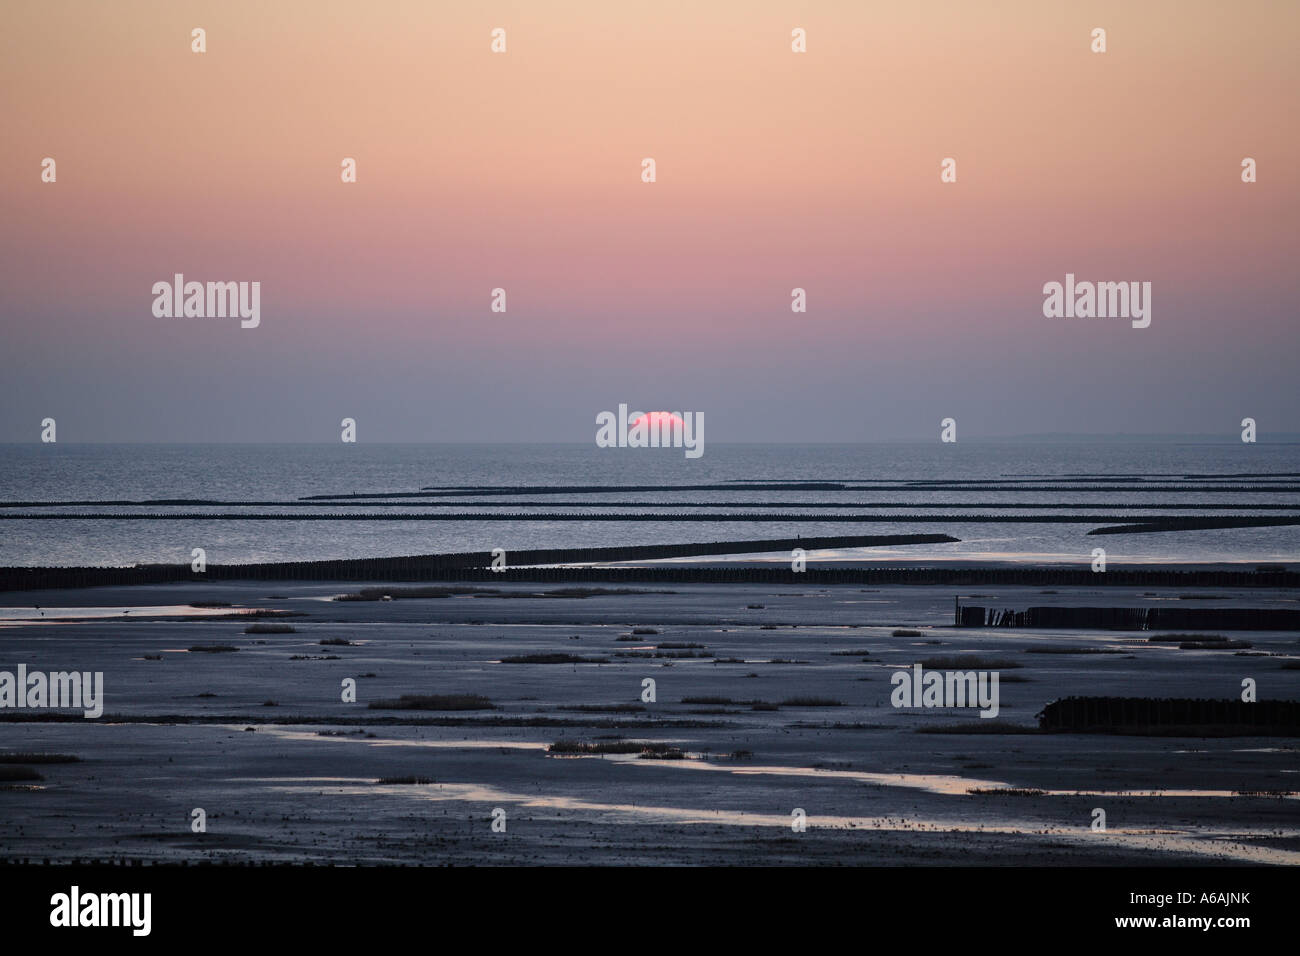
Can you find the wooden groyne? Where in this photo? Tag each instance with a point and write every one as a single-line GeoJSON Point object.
{"type": "Point", "coordinates": [475, 566]}
{"type": "Point", "coordinates": [1132, 714]}
{"type": "Point", "coordinates": [1134, 618]}
{"type": "Point", "coordinates": [520, 564]}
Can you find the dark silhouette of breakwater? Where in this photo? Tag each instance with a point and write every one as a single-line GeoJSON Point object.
{"type": "Point", "coordinates": [1200, 523]}
{"type": "Point", "coordinates": [1134, 618]}
{"type": "Point", "coordinates": [433, 491]}
{"type": "Point", "coordinates": [437, 567]}
{"type": "Point", "coordinates": [490, 490]}
{"type": "Point", "coordinates": [1110, 714]}
{"type": "Point", "coordinates": [475, 566]}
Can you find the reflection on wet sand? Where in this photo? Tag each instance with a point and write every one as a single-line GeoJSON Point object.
{"type": "Point", "coordinates": [1220, 844]}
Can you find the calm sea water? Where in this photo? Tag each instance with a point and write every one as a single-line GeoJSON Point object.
{"type": "Point", "coordinates": [274, 475]}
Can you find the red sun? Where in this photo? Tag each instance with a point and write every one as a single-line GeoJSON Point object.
{"type": "Point", "coordinates": [659, 421]}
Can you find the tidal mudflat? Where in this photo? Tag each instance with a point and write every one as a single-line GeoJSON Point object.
{"type": "Point", "coordinates": [533, 701]}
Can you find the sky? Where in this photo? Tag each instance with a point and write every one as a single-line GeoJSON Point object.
{"type": "Point", "coordinates": [522, 170]}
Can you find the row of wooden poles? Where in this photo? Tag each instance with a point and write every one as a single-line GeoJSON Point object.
{"type": "Point", "coordinates": [1134, 618]}
{"type": "Point", "coordinates": [1090, 713]}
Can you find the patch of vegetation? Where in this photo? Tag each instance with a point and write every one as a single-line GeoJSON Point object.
{"type": "Point", "coordinates": [213, 649]}
{"type": "Point", "coordinates": [645, 630]}
{"type": "Point", "coordinates": [957, 662]}
{"type": "Point", "coordinates": [552, 659]}
{"type": "Point", "coordinates": [676, 645]}
{"type": "Point", "coordinates": [811, 702]}
{"type": "Point", "coordinates": [337, 642]}
{"type": "Point", "coordinates": [906, 632]}
{"type": "Point", "coordinates": [611, 747]}
{"type": "Point", "coordinates": [260, 628]}
{"type": "Point", "coordinates": [209, 604]}
{"type": "Point", "coordinates": [667, 654]}
{"type": "Point", "coordinates": [410, 779]}
{"type": "Point", "coordinates": [605, 708]}
{"type": "Point", "coordinates": [435, 702]}
{"type": "Point", "coordinates": [1008, 791]}
{"type": "Point", "coordinates": [28, 757]}
{"type": "Point", "coordinates": [725, 701]}
{"type": "Point", "coordinates": [863, 652]}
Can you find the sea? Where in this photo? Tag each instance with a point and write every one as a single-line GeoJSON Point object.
{"type": "Point", "coordinates": [155, 503]}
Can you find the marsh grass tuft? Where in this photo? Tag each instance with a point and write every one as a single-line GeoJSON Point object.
{"type": "Point", "coordinates": [263, 628]}
{"type": "Point", "coordinates": [956, 662]}
{"type": "Point", "coordinates": [29, 757]}
{"type": "Point", "coordinates": [811, 702]}
{"type": "Point", "coordinates": [434, 702]}
{"type": "Point", "coordinates": [552, 659]}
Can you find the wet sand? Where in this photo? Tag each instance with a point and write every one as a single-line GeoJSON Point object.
{"type": "Point", "coordinates": [301, 784]}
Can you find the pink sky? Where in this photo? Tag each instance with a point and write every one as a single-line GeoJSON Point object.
{"type": "Point", "coordinates": [522, 170]}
